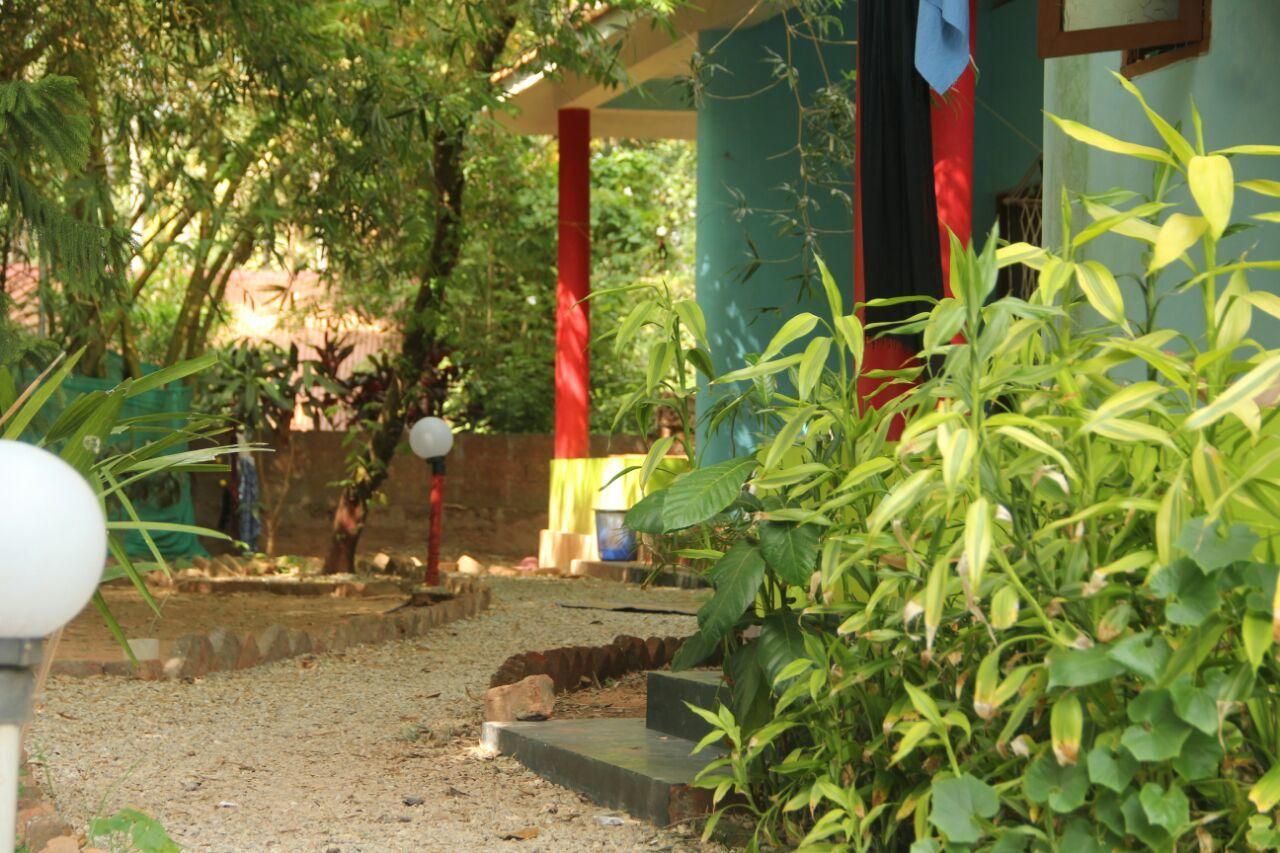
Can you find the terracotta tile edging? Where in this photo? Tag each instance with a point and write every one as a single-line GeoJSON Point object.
{"type": "Point", "coordinates": [568, 665]}
{"type": "Point", "coordinates": [221, 650]}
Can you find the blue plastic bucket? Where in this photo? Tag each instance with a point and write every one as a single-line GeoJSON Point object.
{"type": "Point", "coordinates": [616, 541]}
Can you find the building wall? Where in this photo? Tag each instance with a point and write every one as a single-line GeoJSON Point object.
{"type": "Point", "coordinates": [495, 501]}
{"type": "Point", "coordinates": [1234, 87]}
{"type": "Point", "coordinates": [1010, 96]}
{"type": "Point", "coordinates": [745, 157]}
{"type": "Point", "coordinates": [746, 154]}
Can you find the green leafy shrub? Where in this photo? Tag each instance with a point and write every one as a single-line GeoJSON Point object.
{"type": "Point", "coordinates": [1041, 618]}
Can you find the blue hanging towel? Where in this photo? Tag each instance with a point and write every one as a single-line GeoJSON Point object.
{"type": "Point", "coordinates": [942, 42]}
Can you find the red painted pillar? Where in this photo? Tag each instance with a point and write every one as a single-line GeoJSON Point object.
{"type": "Point", "coordinates": [953, 157]}
{"type": "Point", "coordinates": [573, 284]}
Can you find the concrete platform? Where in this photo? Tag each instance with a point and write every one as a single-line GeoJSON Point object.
{"type": "Point", "coordinates": [634, 572]}
{"type": "Point", "coordinates": [665, 709]}
{"type": "Point", "coordinates": [619, 763]}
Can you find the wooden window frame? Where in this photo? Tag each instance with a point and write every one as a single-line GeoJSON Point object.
{"type": "Point", "coordinates": [1134, 63]}
{"type": "Point", "coordinates": [1187, 28]}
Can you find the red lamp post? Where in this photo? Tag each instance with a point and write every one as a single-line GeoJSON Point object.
{"type": "Point", "coordinates": [432, 439]}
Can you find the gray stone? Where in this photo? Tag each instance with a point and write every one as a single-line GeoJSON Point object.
{"type": "Point", "coordinates": [226, 650]}
{"type": "Point", "coordinates": [274, 644]}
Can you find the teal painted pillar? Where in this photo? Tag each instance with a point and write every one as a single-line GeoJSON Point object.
{"type": "Point", "coordinates": [749, 263]}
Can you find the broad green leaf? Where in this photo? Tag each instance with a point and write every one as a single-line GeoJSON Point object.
{"type": "Point", "coordinates": [786, 437]}
{"type": "Point", "coordinates": [1194, 705]}
{"type": "Point", "coordinates": [1265, 793]}
{"type": "Point", "coordinates": [1127, 223]}
{"type": "Point", "coordinates": [1111, 769]}
{"type": "Point", "coordinates": [1144, 654]}
{"type": "Point", "coordinates": [1135, 396]}
{"type": "Point", "coordinates": [958, 803]}
{"type": "Point", "coordinates": [854, 337]}
{"type": "Point", "coordinates": [1252, 150]}
{"type": "Point", "coordinates": [1257, 636]}
{"type": "Point", "coordinates": [1263, 187]}
{"type": "Point", "coordinates": [958, 449]}
{"type": "Point", "coordinates": [1127, 429]}
{"type": "Point", "coordinates": [646, 515]}
{"type": "Point", "coordinates": [791, 476]}
{"type": "Point", "coordinates": [661, 357]}
{"type": "Point", "coordinates": [925, 706]}
{"type": "Point", "coordinates": [737, 578]}
{"type": "Point", "coordinates": [865, 470]}
{"type": "Point", "coordinates": [1168, 810]}
{"type": "Point", "coordinates": [1033, 442]}
{"type": "Point", "coordinates": [781, 642]}
{"type": "Point", "coordinates": [792, 330]}
{"type": "Point", "coordinates": [1124, 223]}
{"type": "Point", "coordinates": [935, 596]}
{"type": "Point", "coordinates": [1020, 253]}
{"type": "Point", "coordinates": [915, 733]}
{"type": "Point", "coordinates": [834, 301]}
{"type": "Point", "coordinates": [15, 424]}
{"type": "Point", "coordinates": [1098, 139]}
{"type": "Point", "coordinates": [700, 494]}
{"type": "Point", "coordinates": [694, 650]}
{"type": "Point", "coordinates": [977, 541]}
{"type": "Point", "coordinates": [1213, 187]}
{"type": "Point", "coordinates": [1081, 667]}
{"type": "Point", "coordinates": [1191, 595]}
{"type": "Point", "coordinates": [812, 365]}
{"type": "Point", "coordinates": [1212, 551]}
{"type": "Point", "coordinates": [1178, 233]}
{"type": "Point", "coordinates": [172, 373]}
{"type": "Point", "coordinates": [654, 457]}
{"type": "Point", "coordinates": [1102, 291]}
{"type": "Point", "coordinates": [1253, 383]}
{"type": "Point", "coordinates": [901, 498]}
{"type": "Point", "coordinates": [1176, 142]}
{"type": "Point", "coordinates": [1004, 608]}
{"type": "Point", "coordinates": [763, 367]}
{"type": "Point", "coordinates": [631, 324]}
{"type": "Point", "coordinates": [1066, 725]}
{"type": "Point", "coordinates": [790, 549]}
{"type": "Point", "coordinates": [1063, 789]}
{"type": "Point", "coordinates": [690, 314]}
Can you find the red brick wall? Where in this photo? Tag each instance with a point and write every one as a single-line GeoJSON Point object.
{"type": "Point", "coordinates": [495, 500]}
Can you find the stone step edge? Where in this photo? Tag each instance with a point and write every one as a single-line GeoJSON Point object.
{"type": "Point", "coordinates": [222, 650]}
{"type": "Point", "coordinates": [681, 802]}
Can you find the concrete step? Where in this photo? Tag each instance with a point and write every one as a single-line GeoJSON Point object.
{"type": "Point", "coordinates": [618, 763]}
{"type": "Point", "coordinates": [665, 709]}
{"type": "Point", "coordinates": [635, 572]}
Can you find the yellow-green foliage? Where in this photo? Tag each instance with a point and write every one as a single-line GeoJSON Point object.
{"type": "Point", "coordinates": [1043, 618]}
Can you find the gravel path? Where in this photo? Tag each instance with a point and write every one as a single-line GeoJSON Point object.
{"type": "Point", "coordinates": [322, 757]}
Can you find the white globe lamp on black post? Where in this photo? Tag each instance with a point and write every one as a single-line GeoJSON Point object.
{"type": "Point", "coordinates": [54, 544]}
{"type": "Point", "coordinates": [432, 439]}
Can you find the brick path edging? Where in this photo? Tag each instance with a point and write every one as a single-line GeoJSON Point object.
{"type": "Point", "coordinates": [568, 665]}
{"type": "Point", "coordinates": [199, 654]}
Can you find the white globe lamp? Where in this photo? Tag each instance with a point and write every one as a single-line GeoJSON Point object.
{"type": "Point", "coordinates": [54, 537]}
{"type": "Point", "coordinates": [431, 438]}
{"type": "Point", "coordinates": [55, 542]}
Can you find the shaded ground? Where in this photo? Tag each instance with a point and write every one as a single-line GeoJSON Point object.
{"type": "Point", "coordinates": [322, 758]}
{"type": "Point", "coordinates": [193, 613]}
{"type": "Point", "coordinates": [622, 698]}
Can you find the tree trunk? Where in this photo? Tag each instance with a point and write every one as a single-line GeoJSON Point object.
{"type": "Point", "coordinates": [448, 149]}
{"type": "Point", "coordinates": [348, 523]}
